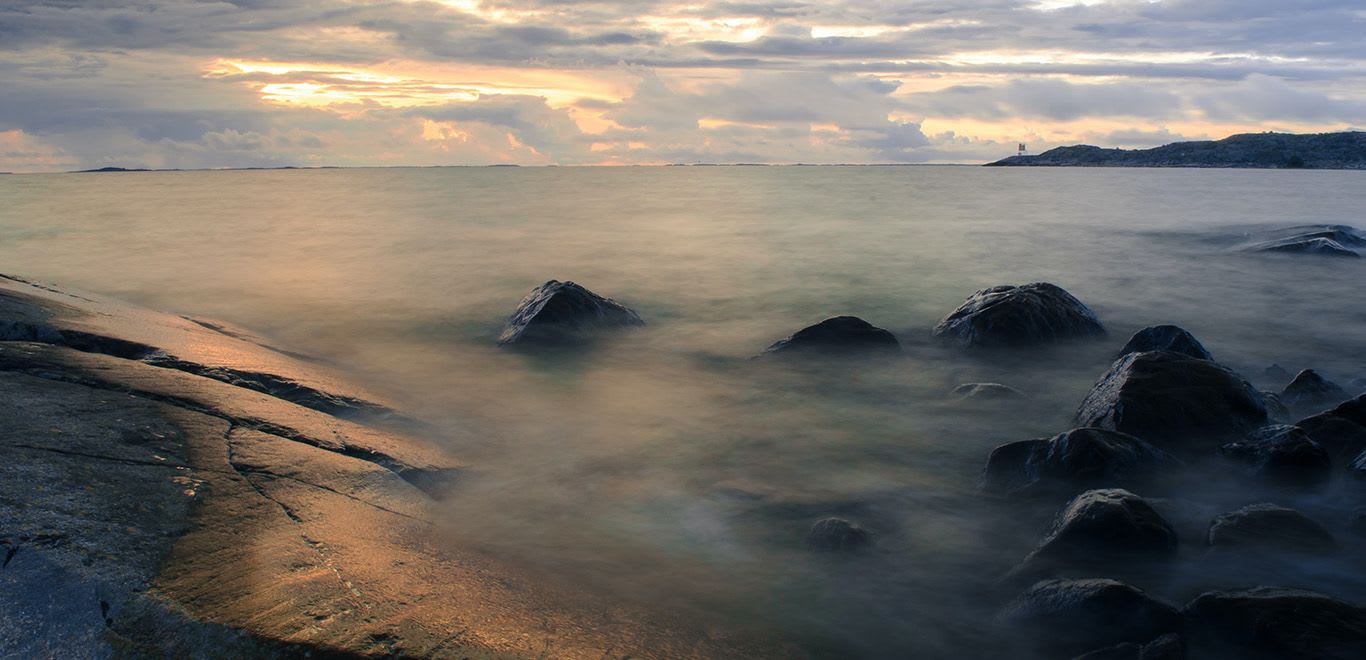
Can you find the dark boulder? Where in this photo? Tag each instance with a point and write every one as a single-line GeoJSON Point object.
{"type": "Point", "coordinates": [1357, 521]}
{"type": "Point", "coordinates": [1100, 527]}
{"type": "Point", "coordinates": [1077, 616]}
{"type": "Point", "coordinates": [1311, 392]}
{"type": "Point", "coordinates": [986, 392]}
{"type": "Point", "coordinates": [1174, 401]}
{"type": "Point", "coordinates": [1166, 338]}
{"type": "Point", "coordinates": [1357, 470]}
{"type": "Point", "coordinates": [1030, 314]}
{"type": "Point", "coordinates": [1275, 408]}
{"type": "Point", "coordinates": [836, 336]}
{"type": "Point", "coordinates": [1166, 647]}
{"type": "Point", "coordinates": [556, 311]}
{"type": "Point", "coordinates": [1077, 459]}
{"type": "Point", "coordinates": [1341, 431]}
{"type": "Point", "coordinates": [1282, 455]}
{"type": "Point", "coordinates": [1344, 234]}
{"type": "Point", "coordinates": [1275, 622]}
{"type": "Point", "coordinates": [1268, 527]}
{"type": "Point", "coordinates": [837, 534]}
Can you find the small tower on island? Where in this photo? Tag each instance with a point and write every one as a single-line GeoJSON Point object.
{"type": "Point", "coordinates": [1021, 151]}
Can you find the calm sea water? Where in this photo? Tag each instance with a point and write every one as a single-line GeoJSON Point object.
{"type": "Point", "coordinates": [662, 464]}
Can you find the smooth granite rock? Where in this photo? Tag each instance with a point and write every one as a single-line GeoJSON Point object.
{"type": "Point", "coordinates": [986, 392]}
{"type": "Point", "coordinates": [1260, 528]}
{"type": "Point", "coordinates": [559, 311]}
{"type": "Point", "coordinates": [1075, 460]}
{"type": "Point", "coordinates": [1166, 647]}
{"type": "Point", "coordinates": [1282, 455]}
{"type": "Point", "coordinates": [1341, 431]}
{"type": "Point", "coordinates": [1067, 617]}
{"type": "Point", "coordinates": [1305, 245]}
{"type": "Point", "coordinates": [1025, 315]}
{"type": "Point", "coordinates": [1102, 528]}
{"type": "Point", "coordinates": [1165, 338]}
{"type": "Point", "coordinates": [837, 534]}
{"type": "Point", "coordinates": [1274, 622]}
{"type": "Point", "coordinates": [1310, 392]}
{"type": "Point", "coordinates": [1178, 403]}
{"type": "Point", "coordinates": [841, 335]}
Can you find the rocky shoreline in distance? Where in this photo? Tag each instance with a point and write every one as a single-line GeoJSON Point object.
{"type": "Point", "coordinates": [1325, 151]}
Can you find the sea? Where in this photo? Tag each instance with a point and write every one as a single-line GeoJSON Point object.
{"type": "Point", "coordinates": [666, 465]}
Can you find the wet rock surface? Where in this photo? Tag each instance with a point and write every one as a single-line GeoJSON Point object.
{"type": "Point", "coordinates": [1282, 455]}
{"type": "Point", "coordinates": [1166, 338]}
{"type": "Point", "coordinates": [1068, 617]}
{"type": "Point", "coordinates": [837, 534]}
{"type": "Point", "coordinates": [1025, 315]}
{"type": "Point", "coordinates": [1178, 403]}
{"type": "Point", "coordinates": [1101, 528]}
{"type": "Point", "coordinates": [557, 312]}
{"type": "Point", "coordinates": [840, 335]}
{"type": "Point", "coordinates": [1166, 647]}
{"type": "Point", "coordinates": [1275, 622]}
{"type": "Point", "coordinates": [1078, 459]}
{"type": "Point", "coordinates": [1341, 430]}
{"type": "Point", "coordinates": [1269, 528]}
{"type": "Point", "coordinates": [1311, 245]}
{"type": "Point", "coordinates": [1310, 392]}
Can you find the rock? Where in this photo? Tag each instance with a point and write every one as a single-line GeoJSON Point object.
{"type": "Point", "coordinates": [1341, 431]}
{"type": "Point", "coordinates": [1282, 455]}
{"type": "Point", "coordinates": [1080, 458]}
{"type": "Point", "coordinates": [1310, 391]}
{"type": "Point", "coordinates": [1344, 234]}
{"type": "Point", "coordinates": [986, 392]}
{"type": "Point", "coordinates": [1275, 408]}
{"type": "Point", "coordinates": [1276, 372]}
{"type": "Point", "coordinates": [1357, 521]}
{"type": "Point", "coordinates": [1166, 647]}
{"type": "Point", "coordinates": [1076, 616]}
{"type": "Point", "coordinates": [1100, 527]}
{"type": "Point", "coordinates": [1304, 245]}
{"type": "Point", "coordinates": [1166, 338]}
{"type": "Point", "coordinates": [837, 534]}
{"type": "Point", "coordinates": [1357, 469]}
{"type": "Point", "coordinates": [1358, 384]}
{"type": "Point", "coordinates": [1024, 315]}
{"type": "Point", "coordinates": [1268, 527]}
{"type": "Point", "coordinates": [557, 311]}
{"type": "Point", "coordinates": [1275, 622]}
{"type": "Point", "coordinates": [1174, 401]}
{"type": "Point", "coordinates": [841, 335]}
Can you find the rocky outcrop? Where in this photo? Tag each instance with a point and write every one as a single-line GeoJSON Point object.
{"type": "Point", "coordinates": [1345, 150]}
{"type": "Point", "coordinates": [1341, 431]}
{"type": "Point", "coordinates": [1067, 617]}
{"type": "Point", "coordinates": [1075, 460]}
{"type": "Point", "coordinates": [1179, 403]}
{"type": "Point", "coordinates": [1275, 622]}
{"type": "Point", "coordinates": [986, 392]}
{"type": "Point", "coordinates": [148, 511]}
{"type": "Point", "coordinates": [563, 311]}
{"type": "Point", "coordinates": [1025, 315]}
{"type": "Point", "coordinates": [1166, 338]}
{"type": "Point", "coordinates": [1269, 528]}
{"type": "Point", "coordinates": [1310, 392]}
{"type": "Point", "coordinates": [1101, 528]}
{"type": "Point", "coordinates": [837, 534]}
{"type": "Point", "coordinates": [841, 335]}
{"type": "Point", "coordinates": [1282, 455]}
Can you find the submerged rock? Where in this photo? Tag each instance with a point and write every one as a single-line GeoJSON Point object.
{"type": "Point", "coordinates": [1166, 338]}
{"type": "Point", "coordinates": [1100, 527]}
{"type": "Point", "coordinates": [837, 534]}
{"type": "Point", "coordinates": [1276, 372]}
{"type": "Point", "coordinates": [1166, 647]}
{"type": "Point", "coordinates": [986, 392]}
{"type": "Point", "coordinates": [1275, 622]}
{"type": "Point", "coordinates": [1076, 616]}
{"type": "Point", "coordinates": [838, 335]}
{"type": "Point", "coordinates": [1268, 527]}
{"type": "Point", "coordinates": [1282, 455]}
{"type": "Point", "coordinates": [1080, 458]}
{"type": "Point", "coordinates": [556, 310]}
{"type": "Point", "coordinates": [1305, 245]}
{"type": "Point", "coordinates": [1023, 315]}
{"type": "Point", "coordinates": [1174, 401]}
{"type": "Point", "coordinates": [1310, 391]}
{"type": "Point", "coordinates": [1341, 431]}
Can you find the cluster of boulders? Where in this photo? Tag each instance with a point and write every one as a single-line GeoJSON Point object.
{"type": "Point", "coordinates": [1165, 405]}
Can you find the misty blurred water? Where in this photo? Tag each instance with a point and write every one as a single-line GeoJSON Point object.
{"type": "Point", "coordinates": [662, 463]}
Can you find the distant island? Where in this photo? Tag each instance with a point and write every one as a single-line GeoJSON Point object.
{"type": "Point", "coordinates": [1327, 151]}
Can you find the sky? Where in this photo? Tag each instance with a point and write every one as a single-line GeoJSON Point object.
{"type": "Point", "coordinates": [262, 83]}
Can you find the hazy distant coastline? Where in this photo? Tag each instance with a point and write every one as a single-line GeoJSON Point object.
{"type": "Point", "coordinates": [1325, 151]}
